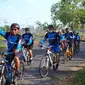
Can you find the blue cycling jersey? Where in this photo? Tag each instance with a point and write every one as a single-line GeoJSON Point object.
{"type": "Point", "coordinates": [53, 38]}
{"type": "Point", "coordinates": [28, 38]}
{"type": "Point", "coordinates": [62, 37]}
{"type": "Point", "coordinates": [13, 41]}
{"type": "Point", "coordinates": [67, 35]}
{"type": "Point", "coordinates": [78, 37]}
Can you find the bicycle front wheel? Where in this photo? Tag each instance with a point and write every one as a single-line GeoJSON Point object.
{"type": "Point", "coordinates": [2, 79]}
{"type": "Point", "coordinates": [44, 66]}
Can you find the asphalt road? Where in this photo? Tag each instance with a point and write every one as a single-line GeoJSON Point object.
{"type": "Point", "coordinates": [32, 76]}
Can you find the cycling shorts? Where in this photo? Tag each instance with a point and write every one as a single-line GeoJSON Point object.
{"type": "Point", "coordinates": [29, 47]}
{"type": "Point", "coordinates": [55, 48]}
{"type": "Point", "coordinates": [10, 57]}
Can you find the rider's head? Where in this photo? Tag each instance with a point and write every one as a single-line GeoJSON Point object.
{"type": "Point", "coordinates": [27, 30]}
{"type": "Point", "coordinates": [14, 28]}
{"type": "Point", "coordinates": [67, 29]}
{"type": "Point", "coordinates": [74, 31]}
{"type": "Point", "coordinates": [50, 28]}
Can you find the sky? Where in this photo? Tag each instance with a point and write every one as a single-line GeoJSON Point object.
{"type": "Point", "coordinates": [25, 12]}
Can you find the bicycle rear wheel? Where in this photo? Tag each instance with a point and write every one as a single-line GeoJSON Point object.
{"type": "Point", "coordinates": [44, 66]}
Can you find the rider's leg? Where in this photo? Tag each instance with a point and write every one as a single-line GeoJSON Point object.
{"type": "Point", "coordinates": [57, 50]}
{"type": "Point", "coordinates": [17, 63]}
{"type": "Point", "coordinates": [30, 53]}
{"type": "Point", "coordinates": [57, 58]}
{"type": "Point", "coordinates": [71, 44]}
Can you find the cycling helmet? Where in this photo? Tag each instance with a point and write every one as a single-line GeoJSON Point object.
{"type": "Point", "coordinates": [74, 31]}
{"type": "Point", "coordinates": [50, 26]}
{"type": "Point", "coordinates": [14, 25]}
{"type": "Point", "coordinates": [27, 29]}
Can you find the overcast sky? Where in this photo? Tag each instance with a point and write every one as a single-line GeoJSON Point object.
{"type": "Point", "coordinates": [25, 12]}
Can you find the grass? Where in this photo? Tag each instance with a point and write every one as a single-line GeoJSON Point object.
{"type": "Point", "coordinates": [2, 38]}
{"type": "Point", "coordinates": [77, 78]}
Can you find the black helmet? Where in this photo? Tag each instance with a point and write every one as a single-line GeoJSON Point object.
{"type": "Point", "coordinates": [50, 26]}
{"type": "Point", "coordinates": [27, 29]}
{"type": "Point", "coordinates": [14, 25]}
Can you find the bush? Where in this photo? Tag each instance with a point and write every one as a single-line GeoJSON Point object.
{"type": "Point", "coordinates": [2, 38]}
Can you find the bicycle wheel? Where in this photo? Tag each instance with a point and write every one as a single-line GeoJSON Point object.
{"type": "Point", "coordinates": [2, 79]}
{"type": "Point", "coordinates": [7, 83]}
{"type": "Point", "coordinates": [44, 66]}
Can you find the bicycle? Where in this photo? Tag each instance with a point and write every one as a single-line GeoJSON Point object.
{"type": "Point", "coordinates": [25, 55]}
{"type": "Point", "coordinates": [46, 62]}
{"type": "Point", "coordinates": [10, 71]}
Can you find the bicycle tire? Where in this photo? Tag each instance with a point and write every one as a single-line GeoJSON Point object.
{"type": "Point", "coordinates": [2, 80]}
{"type": "Point", "coordinates": [45, 69]}
{"type": "Point", "coordinates": [7, 83]}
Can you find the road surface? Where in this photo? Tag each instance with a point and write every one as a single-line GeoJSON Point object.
{"type": "Point", "coordinates": [32, 76]}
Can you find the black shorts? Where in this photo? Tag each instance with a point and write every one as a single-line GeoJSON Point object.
{"type": "Point", "coordinates": [10, 58]}
{"type": "Point", "coordinates": [29, 47]}
{"type": "Point", "coordinates": [70, 43]}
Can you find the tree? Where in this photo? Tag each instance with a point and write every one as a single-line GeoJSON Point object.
{"type": "Point", "coordinates": [69, 12]}
{"type": "Point", "coordinates": [42, 26]}
{"type": "Point", "coordinates": [6, 28]}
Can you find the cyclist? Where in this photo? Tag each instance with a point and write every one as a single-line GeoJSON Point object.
{"type": "Point", "coordinates": [28, 43]}
{"type": "Point", "coordinates": [69, 39]}
{"type": "Point", "coordinates": [63, 39]}
{"type": "Point", "coordinates": [13, 44]}
{"type": "Point", "coordinates": [77, 41]}
{"type": "Point", "coordinates": [54, 43]}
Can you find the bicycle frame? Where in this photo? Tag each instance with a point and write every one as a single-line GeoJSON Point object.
{"type": "Point", "coordinates": [7, 68]}
{"type": "Point", "coordinates": [25, 53]}
{"type": "Point", "coordinates": [49, 53]}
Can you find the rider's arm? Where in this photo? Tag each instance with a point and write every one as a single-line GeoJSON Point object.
{"type": "Point", "coordinates": [30, 40]}
{"type": "Point", "coordinates": [44, 39]}
{"type": "Point", "coordinates": [19, 47]}
{"type": "Point", "coordinates": [2, 33]}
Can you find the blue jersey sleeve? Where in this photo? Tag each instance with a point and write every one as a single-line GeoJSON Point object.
{"type": "Point", "coordinates": [43, 41]}
{"type": "Point", "coordinates": [2, 33]}
{"type": "Point", "coordinates": [30, 40]}
{"type": "Point", "coordinates": [19, 47]}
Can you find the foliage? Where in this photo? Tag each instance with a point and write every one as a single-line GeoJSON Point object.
{"type": "Point", "coordinates": [6, 28]}
{"type": "Point", "coordinates": [69, 12]}
{"type": "Point", "coordinates": [42, 26]}
{"type": "Point", "coordinates": [2, 38]}
{"type": "Point", "coordinates": [80, 77]}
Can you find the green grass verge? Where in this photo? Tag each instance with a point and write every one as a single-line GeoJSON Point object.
{"type": "Point", "coordinates": [80, 77]}
{"type": "Point", "coordinates": [2, 38]}
{"type": "Point", "coordinates": [77, 78]}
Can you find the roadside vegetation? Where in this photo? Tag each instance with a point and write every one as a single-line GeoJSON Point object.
{"type": "Point", "coordinates": [77, 78]}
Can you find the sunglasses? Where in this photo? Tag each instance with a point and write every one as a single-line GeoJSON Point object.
{"type": "Point", "coordinates": [14, 29]}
